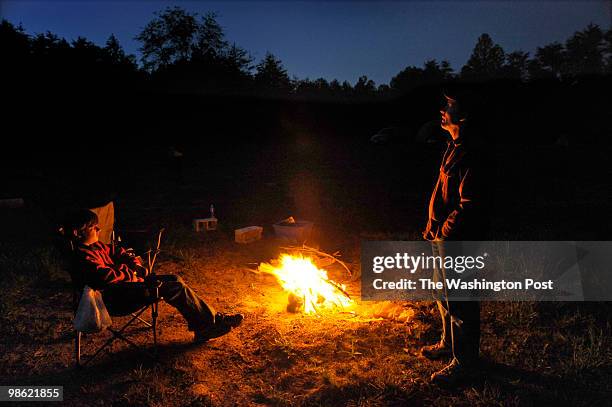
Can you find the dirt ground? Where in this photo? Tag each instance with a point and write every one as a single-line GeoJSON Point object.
{"type": "Point", "coordinates": [365, 355]}
{"type": "Point", "coordinates": [533, 353]}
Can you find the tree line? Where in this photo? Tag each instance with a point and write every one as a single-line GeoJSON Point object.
{"type": "Point", "coordinates": [187, 52]}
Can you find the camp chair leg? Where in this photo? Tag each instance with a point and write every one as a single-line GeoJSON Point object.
{"type": "Point", "coordinates": [147, 323]}
{"type": "Point", "coordinates": [154, 326]}
{"type": "Point", "coordinates": [77, 348]}
{"type": "Point", "coordinates": [119, 335]}
{"type": "Point", "coordinates": [100, 349]}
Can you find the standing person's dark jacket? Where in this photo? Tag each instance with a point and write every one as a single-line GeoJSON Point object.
{"type": "Point", "coordinates": [457, 205]}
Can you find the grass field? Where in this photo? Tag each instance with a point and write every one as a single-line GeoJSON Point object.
{"type": "Point", "coordinates": [533, 353]}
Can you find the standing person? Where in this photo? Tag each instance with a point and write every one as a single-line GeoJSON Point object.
{"type": "Point", "coordinates": [457, 212]}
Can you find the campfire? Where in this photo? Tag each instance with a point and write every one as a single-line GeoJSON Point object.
{"type": "Point", "coordinates": [309, 287]}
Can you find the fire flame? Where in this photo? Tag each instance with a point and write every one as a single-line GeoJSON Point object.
{"type": "Point", "coordinates": [301, 277]}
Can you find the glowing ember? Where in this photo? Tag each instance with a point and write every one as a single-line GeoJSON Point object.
{"type": "Point", "coordinates": [307, 283]}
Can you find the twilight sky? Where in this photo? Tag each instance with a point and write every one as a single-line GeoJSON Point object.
{"type": "Point", "coordinates": [332, 39]}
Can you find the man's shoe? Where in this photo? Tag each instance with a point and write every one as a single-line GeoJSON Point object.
{"type": "Point", "coordinates": [231, 320]}
{"type": "Point", "coordinates": [452, 374]}
{"type": "Point", "coordinates": [438, 351]}
{"type": "Point", "coordinates": [223, 325]}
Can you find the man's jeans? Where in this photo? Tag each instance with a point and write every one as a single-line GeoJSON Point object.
{"type": "Point", "coordinates": [460, 319]}
{"type": "Point", "coordinates": [123, 298]}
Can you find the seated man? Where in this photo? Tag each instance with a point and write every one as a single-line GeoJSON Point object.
{"type": "Point", "coordinates": [126, 285]}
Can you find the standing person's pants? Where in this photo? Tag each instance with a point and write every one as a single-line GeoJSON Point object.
{"type": "Point", "coordinates": [123, 298]}
{"type": "Point", "coordinates": [460, 319]}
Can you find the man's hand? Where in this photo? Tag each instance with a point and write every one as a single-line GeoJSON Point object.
{"type": "Point", "coordinates": [427, 235]}
{"type": "Point", "coordinates": [142, 270]}
{"type": "Point", "coordinates": [136, 278]}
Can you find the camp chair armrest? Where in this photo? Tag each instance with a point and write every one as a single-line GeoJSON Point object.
{"type": "Point", "coordinates": [151, 282]}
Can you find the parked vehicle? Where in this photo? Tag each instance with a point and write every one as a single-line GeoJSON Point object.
{"type": "Point", "coordinates": [431, 133]}
{"type": "Point", "coordinates": [391, 135]}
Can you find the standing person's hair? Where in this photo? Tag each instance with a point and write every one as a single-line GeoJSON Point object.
{"type": "Point", "coordinates": [471, 105]}
{"type": "Point", "coordinates": [469, 102]}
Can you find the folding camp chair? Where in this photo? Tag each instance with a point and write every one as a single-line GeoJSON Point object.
{"type": "Point", "coordinates": [67, 249]}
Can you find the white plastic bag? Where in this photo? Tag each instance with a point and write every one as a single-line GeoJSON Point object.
{"type": "Point", "coordinates": [91, 315]}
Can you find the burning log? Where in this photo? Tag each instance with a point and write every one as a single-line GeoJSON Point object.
{"type": "Point", "coordinates": [295, 304]}
{"type": "Point", "coordinates": [309, 287]}
{"type": "Point", "coordinates": [311, 250]}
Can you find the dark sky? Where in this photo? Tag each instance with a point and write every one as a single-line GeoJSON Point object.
{"type": "Point", "coordinates": [333, 39]}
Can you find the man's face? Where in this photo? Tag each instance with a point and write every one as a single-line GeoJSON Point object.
{"type": "Point", "coordinates": [449, 115]}
{"type": "Point", "coordinates": [90, 235]}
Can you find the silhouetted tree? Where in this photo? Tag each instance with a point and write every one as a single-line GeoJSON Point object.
{"type": "Point", "coordinates": [364, 87]}
{"type": "Point", "coordinates": [347, 89]}
{"type": "Point", "coordinates": [16, 59]}
{"type": "Point", "coordinates": [210, 43]}
{"type": "Point", "coordinates": [549, 61]}
{"type": "Point", "coordinates": [335, 87]}
{"type": "Point", "coordinates": [86, 53]}
{"type": "Point", "coordinates": [516, 66]}
{"type": "Point", "coordinates": [176, 36]}
{"type": "Point", "coordinates": [321, 84]}
{"type": "Point", "coordinates": [184, 50]}
{"type": "Point", "coordinates": [190, 53]}
{"type": "Point", "coordinates": [51, 57]}
{"type": "Point", "coordinates": [383, 89]}
{"type": "Point", "coordinates": [411, 77]}
{"type": "Point", "coordinates": [446, 69]}
{"type": "Point", "coordinates": [434, 72]}
{"type": "Point", "coordinates": [407, 79]}
{"type": "Point", "coordinates": [608, 50]}
{"type": "Point", "coordinates": [271, 76]}
{"type": "Point", "coordinates": [113, 49]}
{"type": "Point", "coordinates": [115, 55]}
{"type": "Point", "coordinates": [168, 38]}
{"type": "Point", "coordinates": [49, 45]}
{"type": "Point", "coordinates": [319, 88]}
{"type": "Point", "coordinates": [584, 52]}
{"type": "Point", "coordinates": [486, 61]}
{"type": "Point", "coordinates": [239, 59]}
{"type": "Point", "coordinates": [15, 43]}
{"type": "Point", "coordinates": [302, 87]}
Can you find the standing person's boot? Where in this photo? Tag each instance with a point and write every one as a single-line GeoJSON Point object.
{"type": "Point", "coordinates": [440, 350]}
{"type": "Point", "coordinates": [452, 374]}
{"type": "Point", "coordinates": [465, 340]}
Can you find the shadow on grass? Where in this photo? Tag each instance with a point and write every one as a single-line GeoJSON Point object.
{"type": "Point", "coordinates": [389, 395]}
{"type": "Point", "coordinates": [539, 387]}
{"type": "Point", "coordinates": [109, 363]}
{"type": "Point", "coordinates": [510, 375]}
{"type": "Point", "coordinates": [113, 375]}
